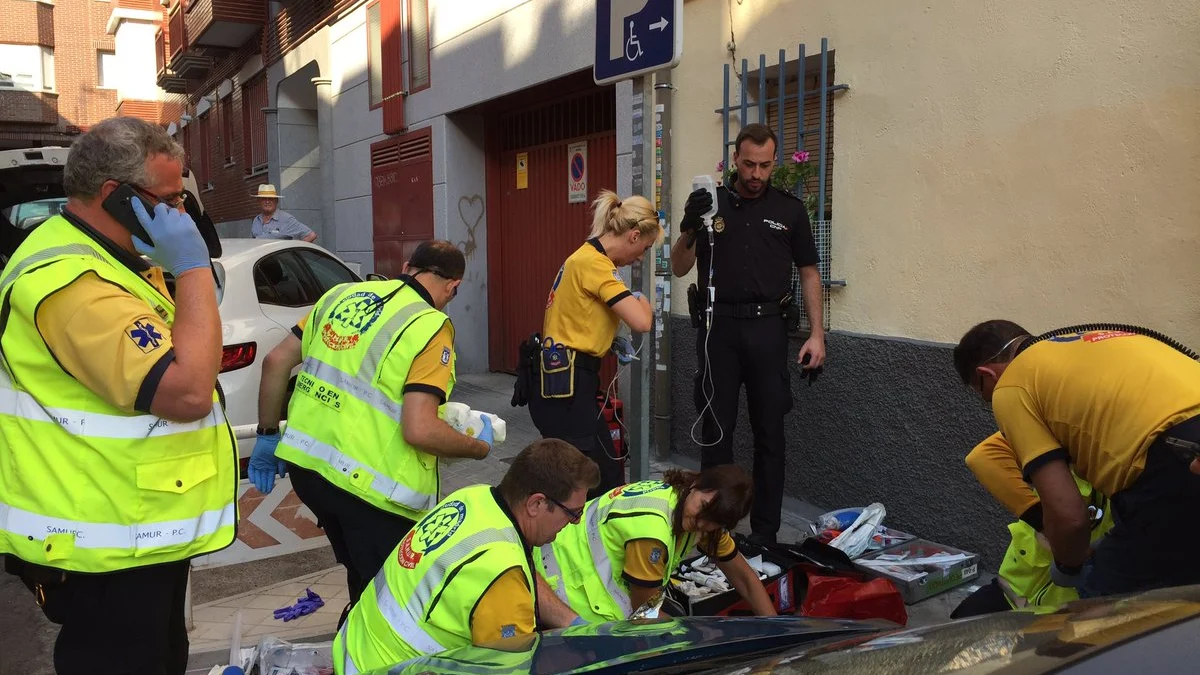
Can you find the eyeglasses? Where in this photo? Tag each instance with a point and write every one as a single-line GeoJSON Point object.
{"type": "Point", "coordinates": [574, 515]}
{"type": "Point", "coordinates": [175, 200]}
{"type": "Point", "coordinates": [438, 272]}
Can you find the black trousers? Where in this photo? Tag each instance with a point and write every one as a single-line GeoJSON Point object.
{"type": "Point", "coordinates": [1155, 538]}
{"type": "Point", "coordinates": [362, 536]}
{"type": "Point", "coordinates": [124, 623]}
{"type": "Point", "coordinates": [578, 421]}
{"type": "Point", "coordinates": [752, 352]}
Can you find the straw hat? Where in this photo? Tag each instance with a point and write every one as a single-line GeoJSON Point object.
{"type": "Point", "coordinates": [266, 191]}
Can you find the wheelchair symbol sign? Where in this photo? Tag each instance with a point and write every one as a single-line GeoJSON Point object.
{"type": "Point", "coordinates": [633, 46]}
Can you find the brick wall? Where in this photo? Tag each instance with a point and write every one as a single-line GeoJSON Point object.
{"type": "Point", "coordinates": [76, 30]}
{"type": "Point", "coordinates": [232, 183]}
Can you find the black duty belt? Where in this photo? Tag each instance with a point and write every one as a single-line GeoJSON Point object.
{"type": "Point", "coordinates": [747, 310]}
{"type": "Point", "coordinates": [587, 362]}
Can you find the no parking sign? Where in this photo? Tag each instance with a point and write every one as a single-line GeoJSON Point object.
{"type": "Point", "coordinates": [577, 173]}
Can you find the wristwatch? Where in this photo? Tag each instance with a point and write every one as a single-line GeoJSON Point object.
{"type": "Point", "coordinates": [269, 431]}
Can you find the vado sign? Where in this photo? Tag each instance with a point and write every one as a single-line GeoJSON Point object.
{"type": "Point", "coordinates": [577, 173]}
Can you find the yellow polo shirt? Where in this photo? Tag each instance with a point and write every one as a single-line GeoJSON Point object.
{"type": "Point", "coordinates": [1097, 399]}
{"type": "Point", "coordinates": [579, 309]}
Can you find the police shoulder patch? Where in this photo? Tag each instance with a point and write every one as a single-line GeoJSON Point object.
{"type": "Point", "coordinates": [146, 335]}
{"type": "Point", "coordinates": [445, 356]}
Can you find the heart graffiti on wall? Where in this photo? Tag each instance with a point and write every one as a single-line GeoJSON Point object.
{"type": "Point", "coordinates": [470, 209]}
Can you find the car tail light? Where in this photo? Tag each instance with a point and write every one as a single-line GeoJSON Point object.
{"type": "Point", "coordinates": [238, 356]}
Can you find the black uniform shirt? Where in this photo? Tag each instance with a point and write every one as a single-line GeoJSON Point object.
{"type": "Point", "coordinates": [756, 247]}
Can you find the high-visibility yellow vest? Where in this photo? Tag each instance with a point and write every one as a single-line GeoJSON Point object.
{"type": "Point", "coordinates": [340, 424]}
{"type": "Point", "coordinates": [421, 601]}
{"type": "Point", "coordinates": [1026, 566]}
{"type": "Point", "coordinates": [584, 563]}
{"type": "Point", "coordinates": [84, 485]}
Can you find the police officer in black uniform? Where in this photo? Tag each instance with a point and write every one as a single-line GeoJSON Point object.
{"type": "Point", "coordinates": [757, 233]}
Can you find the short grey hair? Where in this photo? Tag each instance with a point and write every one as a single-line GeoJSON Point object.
{"type": "Point", "coordinates": [115, 149]}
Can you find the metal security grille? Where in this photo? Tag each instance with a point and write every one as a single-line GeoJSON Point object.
{"type": "Point", "coordinates": [803, 90]}
{"type": "Point", "coordinates": [581, 115]}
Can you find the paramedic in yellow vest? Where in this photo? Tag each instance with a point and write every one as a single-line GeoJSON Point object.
{"type": "Point", "coordinates": [464, 574]}
{"type": "Point", "coordinates": [119, 465]}
{"type": "Point", "coordinates": [1116, 406]}
{"type": "Point", "coordinates": [1024, 579]}
{"type": "Point", "coordinates": [363, 436]}
{"type": "Point", "coordinates": [633, 538]}
{"type": "Point", "coordinates": [587, 300]}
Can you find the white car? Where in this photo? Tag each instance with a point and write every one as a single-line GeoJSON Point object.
{"type": "Point", "coordinates": [265, 286]}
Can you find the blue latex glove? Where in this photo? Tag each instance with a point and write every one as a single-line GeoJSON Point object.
{"type": "Point", "coordinates": [578, 621]}
{"type": "Point", "coordinates": [177, 245]}
{"type": "Point", "coordinates": [263, 466]}
{"type": "Point", "coordinates": [310, 603]}
{"type": "Point", "coordinates": [623, 348]}
{"type": "Point", "coordinates": [486, 434]}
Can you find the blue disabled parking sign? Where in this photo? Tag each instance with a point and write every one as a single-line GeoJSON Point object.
{"type": "Point", "coordinates": [634, 37]}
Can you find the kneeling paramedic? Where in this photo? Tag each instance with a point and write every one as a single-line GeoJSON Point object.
{"type": "Point", "coordinates": [119, 465]}
{"type": "Point", "coordinates": [1026, 577]}
{"type": "Point", "coordinates": [464, 574]}
{"type": "Point", "coordinates": [363, 436]}
{"type": "Point", "coordinates": [631, 540]}
{"type": "Point", "coordinates": [1120, 404]}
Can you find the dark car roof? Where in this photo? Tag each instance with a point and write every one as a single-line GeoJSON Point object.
{"type": "Point", "coordinates": [650, 643]}
{"type": "Point", "coordinates": [1089, 636]}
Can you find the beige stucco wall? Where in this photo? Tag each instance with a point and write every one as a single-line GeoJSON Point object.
{"type": "Point", "coordinates": [1030, 160]}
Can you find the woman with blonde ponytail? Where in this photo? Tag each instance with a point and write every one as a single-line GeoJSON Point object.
{"type": "Point", "coordinates": [587, 300]}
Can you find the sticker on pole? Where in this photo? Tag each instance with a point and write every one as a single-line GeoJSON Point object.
{"type": "Point", "coordinates": [577, 173]}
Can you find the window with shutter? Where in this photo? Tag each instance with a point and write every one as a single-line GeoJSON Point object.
{"type": "Point", "coordinates": [227, 127]}
{"type": "Point", "coordinates": [375, 54]}
{"type": "Point", "coordinates": [418, 45]}
{"type": "Point", "coordinates": [385, 67]}
{"type": "Point", "coordinates": [254, 123]}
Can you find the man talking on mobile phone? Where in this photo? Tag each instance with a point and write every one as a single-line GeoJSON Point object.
{"type": "Point", "coordinates": [119, 463]}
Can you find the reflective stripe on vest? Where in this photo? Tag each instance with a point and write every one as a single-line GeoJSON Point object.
{"type": "Point", "coordinates": [393, 490]}
{"type": "Point", "coordinates": [13, 272]}
{"type": "Point", "coordinates": [97, 425]}
{"type": "Point", "coordinates": [554, 571]}
{"type": "Point", "coordinates": [109, 535]}
{"type": "Point", "coordinates": [403, 620]}
{"type": "Point", "coordinates": [348, 667]}
{"type": "Point", "coordinates": [360, 388]}
{"type": "Point", "coordinates": [602, 562]}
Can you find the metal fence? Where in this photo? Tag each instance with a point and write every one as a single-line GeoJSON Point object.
{"type": "Point", "coordinates": [795, 98]}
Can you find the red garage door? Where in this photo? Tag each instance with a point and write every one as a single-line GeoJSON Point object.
{"type": "Point", "coordinates": [532, 229]}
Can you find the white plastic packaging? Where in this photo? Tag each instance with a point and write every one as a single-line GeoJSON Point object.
{"type": "Point", "coordinates": [470, 422]}
{"type": "Point", "coordinates": [707, 183]}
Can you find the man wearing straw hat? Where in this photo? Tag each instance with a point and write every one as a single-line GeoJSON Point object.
{"type": "Point", "coordinates": [275, 224]}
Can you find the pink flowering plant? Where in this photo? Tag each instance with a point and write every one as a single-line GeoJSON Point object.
{"type": "Point", "coordinates": [789, 176]}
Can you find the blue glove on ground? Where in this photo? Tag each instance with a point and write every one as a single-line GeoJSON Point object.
{"type": "Point", "coordinates": [1065, 579]}
{"type": "Point", "coordinates": [177, 244]}
{"type": "Point", "coordinates": [310, 603]}
{"type": "Point", "coordinates": [486, 434]}
{"type": "Point", "coordinates": [623, 348]}
{"type": "Point", "coordinates": [263, 466]}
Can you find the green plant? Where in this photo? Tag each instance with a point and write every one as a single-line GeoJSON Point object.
{"type": "Point", "coordinates": [790, 177]}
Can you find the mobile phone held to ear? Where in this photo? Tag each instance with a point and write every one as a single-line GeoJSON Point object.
{"type": "Point", "coordinates": [119, 206]}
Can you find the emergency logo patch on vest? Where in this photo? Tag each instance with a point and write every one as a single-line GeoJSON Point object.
{"type": "Point", "coordinates": [145, 335]}
{"type": "Point", "coordinates": [445, 356]}
{"type": "Point", "coordinates": [637, 489]}
{"type": "Point", "coordinates": [350, 319]}
{"type": "Point", "coordinates": [508, 630]}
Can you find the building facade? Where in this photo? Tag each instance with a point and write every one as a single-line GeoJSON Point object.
{"type": "Point", "coordinates": [67, 64]}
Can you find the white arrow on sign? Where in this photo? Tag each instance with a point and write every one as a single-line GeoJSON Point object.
{"type": "Point", "coordinates": [660, 25]}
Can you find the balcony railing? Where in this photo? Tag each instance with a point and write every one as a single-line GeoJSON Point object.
{"type": "Point", "coordinates": [223, 23]}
